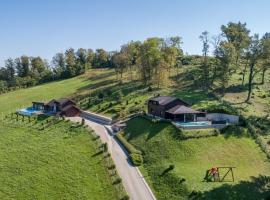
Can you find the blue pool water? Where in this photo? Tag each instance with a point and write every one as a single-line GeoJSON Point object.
{"type": "Point", "coordinates": [27, 111]}
{"type": "Point", "coordinates": [192, 124]}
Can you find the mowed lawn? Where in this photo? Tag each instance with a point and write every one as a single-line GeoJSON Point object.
{"type": "Point", "coordinates": [56, 163]}
{"type": "Point", "coordinates": [12, 101]}
{"type": "Point", "coordinates": [161, 147]}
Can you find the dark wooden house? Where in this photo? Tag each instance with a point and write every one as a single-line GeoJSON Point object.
{"type": "Point", "coordinates": [63, 106]}
{"type": "Point", "coordinates": [172, 108]}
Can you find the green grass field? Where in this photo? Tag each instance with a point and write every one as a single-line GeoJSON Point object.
{"type": "Point", "coordinates": [66, 88]}
{"type": "Point", "coordinates": [161, 147]}
{"type": "Point", "coordinates": [99, 91]}
{"type": "Point", "coordinates": [58, 162]}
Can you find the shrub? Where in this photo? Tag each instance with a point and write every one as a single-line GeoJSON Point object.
{"type": "Point", "coordinates": [136, 159]}
{"type": "Point", "coordinates": [96, 137]}
{"type": "Point", "coordinates": [130, 149]}
{"type": "Point", "coordinates": [115, 116]}
{"type": "Point", "coordinates": [105, 147]}
{"type": "Point", "coordinates": [117, 181]}
{"type": "Point", "coordinates": [126, 197]}
{"type": "Point", "coordinates": [110, 104]}
{"type": "Point", "coordinates": [100, 95]}
{"type": "Point", "coordinates": [111, 167]}
{"type": "Point", "coordinates": [134, 154]}
{"type": "Point", "coordinates": [83, 121]}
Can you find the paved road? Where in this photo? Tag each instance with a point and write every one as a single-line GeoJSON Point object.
{"type": "Point", "coordinates": [133, 180]}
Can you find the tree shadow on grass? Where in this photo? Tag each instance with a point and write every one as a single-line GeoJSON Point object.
{"type": "Point", "coordinates": [96, 77]}
{"type": "Point", "coordinates": [97, 153]}
{"type": "Point", "coordinates": [256, 189]}
{"type": "Point", "coordinates": [97, 85]}
{"type": "Point", "coordinates": [234, 131]}
{"type": "Point", "coordinates": [139, 126]}
{"type": "Point", "coordinates": [193, 96]}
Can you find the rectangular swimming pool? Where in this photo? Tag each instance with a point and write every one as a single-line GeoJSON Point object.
{"type": "Point", "coordinates": [28, 111]}
{"type": "Point", "coordinates": [193, 124]}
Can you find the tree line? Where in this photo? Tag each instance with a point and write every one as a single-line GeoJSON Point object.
{"type": "Point", "coordinates": [153, 60]}
{"type": "Point", "coordinates": [232, 51]}
{"type": "Point", "coordinates": [27, 71]}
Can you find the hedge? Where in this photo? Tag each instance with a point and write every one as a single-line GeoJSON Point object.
{"type": "Point", "coordinates": [134, 154]}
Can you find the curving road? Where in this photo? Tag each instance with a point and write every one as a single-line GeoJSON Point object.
{"type": "Point", "coordinates": [133, 180]}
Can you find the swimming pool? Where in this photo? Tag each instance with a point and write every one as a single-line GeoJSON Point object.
{"type": "Point", "coordinates": [193, 124]}
{"type": "Point", "coordinates": [28, 111]}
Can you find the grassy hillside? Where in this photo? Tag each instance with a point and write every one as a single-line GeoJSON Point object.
{"type": "Point", "coordinates": [100, 91]}
{"type": "Point", "coordinates": [161, 147]}
{"type": "Point", "coordinates": [65, 88]}
{"type": "Point", "coordinates": [59, 162]}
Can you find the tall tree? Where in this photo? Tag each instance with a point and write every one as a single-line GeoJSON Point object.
{"type": "Point", "coordinates": [121, 61]}
{"type": "Point", "coordinates": [205, 67]}
{"type": "Point", "coordinates": [238, 35]}
{"type": "Point", "coordinates": [23, 66]}
{"type": "Point", "coordinates": [89, 58]}
{"type": "Point", "coordinates": [225, 53]}
{"type": "Point", "coordinates": [149, 58]}
{"type": "Point", "coordinates": [171, 52]}
{"type": "Point", "coordinates": [254, 54]}
{"type": "Point", "coordinates": [266, 55]}
{"type": "Point", "coordinates": [101, 58]}
{"type": "Point", "coordinates": [132, 49]}
{"type": "Point", "coordinates": [10, 72]}
{"type": "Point", "coordinates": [81, 60]}
{"type": "Point", "coordinates": [71, 69]}
{"type": "Point", "coordinates": [59, 64]}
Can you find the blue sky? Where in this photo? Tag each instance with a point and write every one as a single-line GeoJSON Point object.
{"type": "Point", "coordinates": [36, 27]}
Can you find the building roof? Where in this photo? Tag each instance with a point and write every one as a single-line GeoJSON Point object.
{"type": "Point", "coordinates": [37, 102]}
{"type": "Point", "coordinates": [60, 101]}
{"type": "Point", "coordinates": [66, 108]}
{"type": "Point", "coordinates": [64, 100]}
{"type": "Point", "coordinates": [180, 109]}
{"type": "Point", "coordinates": [51, 102]}
{"type": "Point", "coordinates": [163, 100]}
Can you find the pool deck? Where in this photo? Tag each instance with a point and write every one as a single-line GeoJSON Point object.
{"type": "Point", "coordinates": [208, 125]}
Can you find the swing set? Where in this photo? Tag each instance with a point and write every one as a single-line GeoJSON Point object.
{"type": "Point", "coordinates": [214, 174]}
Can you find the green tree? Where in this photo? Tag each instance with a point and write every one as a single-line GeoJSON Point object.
{"type": "Point", "coordinates": [205, 66]}
{"type": "Point", "coordinates": [121, 61]}
{"type": "Point", "coordinates": [71, 68]}
{"type": "Point", "coordinates": [9, 73]}
{"type": "Point", "coordinates": [171, 52]}
{"type": "Point", "coordinates": [265, 55]}
{"type": "Point", "coordinates": [149, 59]}
{"type": "Point", "coordinates": [132, 49]}
{"type": "Point", "coordinates": [89, 58]}
{"type": "Point", "coordinates": [238, 35]}
{"type": "Point", "coordinates": [81, 60]}
{"type": "Point", "coordinates": [254, 54]}
{"type": "Point", "coordinates": [225, 54]}
{"type": "Point", "coordinates": [59, 63]}
{"type": "Point", "coordinates": [101, 59]}
{"type": "Point", "coordinates": [23, 66]}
